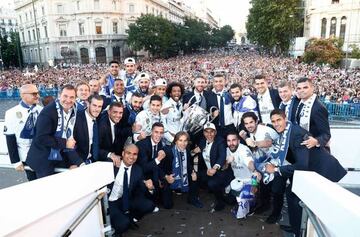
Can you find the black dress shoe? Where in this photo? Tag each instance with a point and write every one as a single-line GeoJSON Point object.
{"type": "Point", "coordinates": [196, 203]}
{"type": "Point", "coordinates": [286, 228]}
{"type": "Point", "coordinates": [272, 219]}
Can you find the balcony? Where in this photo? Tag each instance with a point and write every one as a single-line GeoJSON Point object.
{"type": "Point", "coordinates": [90, 37]}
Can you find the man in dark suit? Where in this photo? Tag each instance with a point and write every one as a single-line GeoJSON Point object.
{"type": "Point", "coordinates": [220, 99]}
{"type": "Point", "coordinates": [266, 99]}
{"type": "Point", "coordinates": [300, 157]}
{"type": "Point", "coordinates": [150, 158]}
{"type": "Point", "coordinates": [198, 95]}
{"type": "Point", "coordinates": [111, 136]}
{"type": "Point", "coordinates": [212, 149]}
{"type": "Point", "coordinates": [312, 115]}
{"type": "Point", "coordinates": [127, 194]}
{"type": "Point", "coordinates": [48, 146]}
{"type": "Point", "coordinates": [86, 133]}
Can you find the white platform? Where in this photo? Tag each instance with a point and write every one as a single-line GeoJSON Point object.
{"type": "Point", "coordinates": [47, 206]}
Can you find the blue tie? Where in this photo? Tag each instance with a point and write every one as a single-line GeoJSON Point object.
{"type": "Point", "coordinates": [222, 117]}
{"type": "Point", "coordinates": [125, 196]}
{"type": "Point", "coordinates": [95, 141]}
{"type": "Point", "coordinates": [154, 152]}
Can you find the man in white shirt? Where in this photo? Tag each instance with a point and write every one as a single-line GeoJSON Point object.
{"type": "Point", "coordinates": [19, 127]}
{"type": "Point", "coordinates": [127, 198]}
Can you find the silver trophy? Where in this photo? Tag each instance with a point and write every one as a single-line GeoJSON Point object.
{"type": "Point", "coordinates": [195, 117]}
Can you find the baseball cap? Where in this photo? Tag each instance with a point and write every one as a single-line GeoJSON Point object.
{"type": "Point", "coordinates": [129, 61]}
{"type": "Point", "coordinates": [160, 82]}
{"type": "Point", "coordinates": [142, 76]}
{"type": "Point", "coordinates": [209, 125]}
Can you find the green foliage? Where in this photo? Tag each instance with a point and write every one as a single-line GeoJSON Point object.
{"type": "Point", "coordinates": [163, 38]}
{"type": "Point", "coordinates": [323, 51]}
{"type": "Point", "coordinates": [9, 50]}
{"type": "Point", "coordinates": [274, 23]}
{"type": "Point", "coordinates": [355, 51]}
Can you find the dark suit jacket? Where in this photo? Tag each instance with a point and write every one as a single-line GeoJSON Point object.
{"type": "Point", "coordinates": [150, 168]}
{"type": "Point", "coordinates": [319, 123]}
{"type": "Point", "coordinates": [167, 165]}
{"type": "Point", "coordinates": [187, 96]}
{"type": "Point", "coordinates": [44, 140]}
{"type": "Point", "coordinates": [105, 138]}
{"type": "Point", "coordinates": [217, 152]}
{"type": "Point", "coordinates": [275, 99]}
{"type": "Point", "coordinates": [81, 136]}
{"type": "Point", "coordinates": [212, 101]}
{"type": "Point", "coordinates": [137, 187]}
{"type": "Point", "coordinates": [316, 159]}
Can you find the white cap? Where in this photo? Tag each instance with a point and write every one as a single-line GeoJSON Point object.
{"type": "Point", "coordinates": [142, 76]}
{"type": "Point", "coordinates": [160, 82]}
{"type": "Point", "coordinates": [209, 125]}
{"type": "Point", "coordinates": [129, 61]}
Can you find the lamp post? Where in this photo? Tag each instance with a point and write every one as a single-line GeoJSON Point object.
{"type": "Point", "coordinates": [37, 35]}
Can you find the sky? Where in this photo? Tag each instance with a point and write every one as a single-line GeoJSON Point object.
{"type": "Point", "coordinates": [230, 12]}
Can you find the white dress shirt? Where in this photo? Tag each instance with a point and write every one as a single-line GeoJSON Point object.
{"type": "Point", "coordinates": [117, 190]}
{"type": "Point", "coordinates": [265, 106]}
{"type": "Point", "coordinates": [90, 123]}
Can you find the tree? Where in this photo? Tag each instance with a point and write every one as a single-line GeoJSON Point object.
{"type": "Point", "coordinates": [196, 35]}
{"type": "Point", "coordinates": [220, 37]}
{"type": "Point", "coordinates": [323, 51]}
{"type": "Point", "coordinates": [10, 49]}
{"type": "Point", "coordinates": [355, 51]}
{"type": "Point", "coordinates": [154, 34]}
{"type": "Point", "coordinates": [274, 23]}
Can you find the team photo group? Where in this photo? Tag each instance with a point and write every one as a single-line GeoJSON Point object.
{"type": "Point", "coordinates": [164, 139]}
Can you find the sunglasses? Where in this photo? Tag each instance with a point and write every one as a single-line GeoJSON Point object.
{"type": "Point", "coordinates": [32, 93]}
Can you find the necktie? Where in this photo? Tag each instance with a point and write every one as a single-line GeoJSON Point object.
{"type": "Point", "coordinates": [182, 156]}
{"type": "Point", "coordinates": [95, 142]}
{"type": "Point", "coordinates": [260, 98]}
{"type": "Point", "coordinates": [125, 196]}
{"type": "Point", "coordinates": [222, 117]}
{"type": "Point", "coordinates": [202, 102]}
{"type": "Point", "coordinates": [121, 101]}
{"type": "Point", "coordinates": [298, 112]}
{"type": "Point", "coordinates": [154, 152]}
{"type": "Point", "coordinates": [178, 106]}
{"type": "Point", "coordinates": [282, 106]}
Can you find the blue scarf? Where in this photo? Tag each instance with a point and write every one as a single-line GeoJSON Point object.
{"type": "Point", "coordinates": [277, 157]}
{"type": "Point", "coordinates": [130, 83]}
{"type": "Point", "coordinates": [28, 131]}
{"type": "Point", "coordinates": [60, 131]}
{"type": "Point", "coordinates": [132, 114]}
{"type": "Point", "coordinates": [179, 168]}
{"type": "Point", "coordinates": [81, 104]}
{"type": "Point", "coordinates": [239, 106]}
{"type": "Point", "coordinates": [110, 80]}
{"type": "Point", "coordinates": [226, 95]}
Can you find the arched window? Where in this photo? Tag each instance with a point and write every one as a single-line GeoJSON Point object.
{"type": "Point", "coordinates": [342, 27]}
{"type": "Point", "coordinates": [323, 28]}
{"type": "Point", "coordinates": [333, 26]}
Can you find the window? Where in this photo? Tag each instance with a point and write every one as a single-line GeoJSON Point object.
{"type": "Point", "coordinates": [26, 16]}
{"type": "Point", "coordinates": [10, 22]}
{"type": "Point", "coordinates": [153, 11]}
{"type": "Point", "coordinates": [342, 27]}
{"type": "Point", "coordinates": [78, 5]}
{"type": "Point", "coordinates": [20, 19]}
{"type": "Point", "coordinates": [45, 32]}
{"type": "Point", "coordinates": [34, 34]}
{"type": "Point", "coordinates": [131, 8]}
{"type": "Point", "coordinates": [333, 26]}
{"type": "Point", "coordinates": [114, 5]}
{"type": "Point", "coordinates": [81, 29]}
{"type": "Point", "coordinates": [147, 9]}
{"type": "Point", "coordinates": [96, 4]}
{"type": "Point", "coordinates": [115, 27]}
{"type": "Point", "coordinates": [23, 36]}
{"type": "Point", "coordinates": [30, 15]}
{"type": "Point", "coordinates": [43, 10]}
{"type": "Point", "coordinates": [29, 35]}
{"type": "Point", "coordinates": [98, 29]}
{"type": "Point", "coordinates": [323, 28]}
{"type": "Point", "coordinates": [62, 29]}
{"type": "Point", "coordinates": [60, 8]}
{"type": "Point", "coordinates": [335, 1]}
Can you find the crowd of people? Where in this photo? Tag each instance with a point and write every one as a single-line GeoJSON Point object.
{"type": "Point", "coordinates": [332, 85]}
{"type": "Point", "coordinates": [181, 125]}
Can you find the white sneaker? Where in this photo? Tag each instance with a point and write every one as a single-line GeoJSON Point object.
{"type": "Point", "coordinates": [156, 209]}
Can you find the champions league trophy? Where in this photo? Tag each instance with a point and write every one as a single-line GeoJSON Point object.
{"type": "Point", "coordinates": [195, 117]}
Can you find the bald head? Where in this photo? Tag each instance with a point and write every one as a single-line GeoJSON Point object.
{"type": "Point", "coordinates": [29, 94]}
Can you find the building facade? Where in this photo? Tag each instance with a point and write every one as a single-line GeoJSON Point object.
{"type": "Point", "coordinates": [333, 18]}
{"type": "Point", "coordinates": [8, 21]}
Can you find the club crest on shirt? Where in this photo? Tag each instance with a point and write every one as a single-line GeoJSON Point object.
{"type": "Point", "coordinates": [19, 114]}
